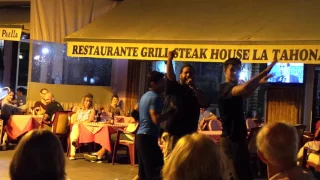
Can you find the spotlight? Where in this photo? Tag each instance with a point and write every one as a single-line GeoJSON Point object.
{"type": "Point", "coordinates": [45, 51]}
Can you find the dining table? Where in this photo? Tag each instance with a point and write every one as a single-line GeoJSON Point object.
{"type": "Point", "coordinates": [20, 124]}
{"type": "Point", "coordinates": [99, 132]}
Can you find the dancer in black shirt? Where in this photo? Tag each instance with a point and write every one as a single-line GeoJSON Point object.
{"type": "Point", "coordinates": [234, 133]}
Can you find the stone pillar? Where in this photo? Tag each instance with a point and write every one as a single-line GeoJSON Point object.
{"type": "Point", "coordinates": [308, 96]}
{"type": "Point", "coordinates": [7, 61]}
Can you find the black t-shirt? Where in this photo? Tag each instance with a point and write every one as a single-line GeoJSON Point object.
{"type": "Point", "coordinates": [185, 120]}
{"type": "Point", "coordinates": [231, 112]}
{"type": "Point", "coordinates": [52, 108]}
{"type": "Point", "coordinates": [40, 104]}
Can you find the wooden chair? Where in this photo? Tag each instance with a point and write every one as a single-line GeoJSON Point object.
{"type": "Point", "coordinates": [250, 124]}
{"type": "Point", "coordinates": [311, 158]}
{"type": "Point", "coordinates": [300, 129]}
{"type": "Point", "coordinates": [60, 126]}
{"type": "Point", "coordinates": [311, 137]}
{"type": "Point", "coordinates": [72, 118]}
{"type": "Point", "coordinates": [129, 144]}
{"type": "Point", "coordinates": [215, 125]}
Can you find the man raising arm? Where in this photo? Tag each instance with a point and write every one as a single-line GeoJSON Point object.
{"type": "Point", "coordinates": [234, 132]}
{"type": "Point", "coordinates": [187, 99]}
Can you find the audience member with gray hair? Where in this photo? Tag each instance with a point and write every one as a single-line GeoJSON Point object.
{"type": "Point", "coordinates": [278, 147]}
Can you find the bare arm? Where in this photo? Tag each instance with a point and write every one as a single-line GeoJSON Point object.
{"type": "Point", "coordinates": [154, 117]}
{"type": "Point", "coordinates": [159, 118]}
{"type": "Point", "coordinates": [45, 117]}
{"type": "Point", "coordinates": [91, 117]}
{"type": "Point", "coordinates": [207, 119]}
{"type": "Point", "coordinates": [211, 117]}
{"type": "Point", "coordinates": [170, 72]}
{"type": "Point", "coordinates": [250, 86]}
{"type": "Point", "coordinates": [201, 124]}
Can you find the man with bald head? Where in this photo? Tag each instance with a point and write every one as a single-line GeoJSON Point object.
{"type": "Point", "coordinates": [278, 147]}
{"type": "Point", "coordinates": [52, 107]}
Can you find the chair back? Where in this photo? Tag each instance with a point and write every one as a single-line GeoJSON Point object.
{"type": "Point", "coordinates": [252, 139]}
{"type": "Point", "coordinates": [300, 129]}
{"type": "Point", "coordinates": [215, 125]}
{"type": "Point", "coordinates": [60, 123]}
{"type": "Point", "coordinates": [250, 124]}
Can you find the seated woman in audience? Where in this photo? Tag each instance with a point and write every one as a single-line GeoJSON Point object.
{"type": "Point", "coordinates": [312, 145]}
{"type": "Point", "coordinates": [132, 126]}
{"type": "Point", "coordinates": [38, 156]}
{"type": "Point", "coordinates": [113, 108]}
{"type": "Point", "coordinates": [8, 108]}
{"type": "Point", "coordinates": [194, 157]}
{"type": "Point", "coordinates": [86, 113]}
{"type": "Point", "coordinates": [205, 117]}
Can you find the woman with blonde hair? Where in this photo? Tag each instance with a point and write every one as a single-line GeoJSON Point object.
{"type": "Point", "coordinates": [86, 113]}
{"type": "Point", "coordinates": [195, 157]}
{"type": "Point", "coordinates": [38, 156]}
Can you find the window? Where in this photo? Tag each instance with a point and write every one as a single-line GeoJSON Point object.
{"type": "Point", "coordinates": [50, 64]}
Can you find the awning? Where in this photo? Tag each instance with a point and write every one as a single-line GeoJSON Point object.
{"type": "Point", "coordinates": [14, 21]}
{"type": "Point", "coordinates": [53, 20]}
{"type": "Point", "coordinates": [204, 30]}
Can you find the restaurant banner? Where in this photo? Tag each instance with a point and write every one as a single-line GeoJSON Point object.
{"type": "Point", "coordinates": [308, 54]}
{"type": "Point", "coordinates": [11, 34]}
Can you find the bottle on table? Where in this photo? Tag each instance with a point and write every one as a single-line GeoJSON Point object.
{"type": "Point", "coordinates": [112, 119]}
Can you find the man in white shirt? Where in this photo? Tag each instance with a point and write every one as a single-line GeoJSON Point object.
{"type": "Point", "coordinates": [278, 147]}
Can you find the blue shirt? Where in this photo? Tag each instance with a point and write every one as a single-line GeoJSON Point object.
{"type": "Point", "coordinates": [149, 101]}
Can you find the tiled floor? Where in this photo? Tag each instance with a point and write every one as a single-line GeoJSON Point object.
{"type": "Point", "coordinates": [80, 169]}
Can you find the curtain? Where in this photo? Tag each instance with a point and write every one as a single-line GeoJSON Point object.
{"type": "Point", "coordinates": [52, 20]}
{"type": "Point", "coordinates": [133, 82]}
{"type": "Point", "coordinates": [136, 82]}
{"type": "Point", "coordinates": [285, 105]}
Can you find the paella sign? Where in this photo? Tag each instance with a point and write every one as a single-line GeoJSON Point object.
{"type": "Point", "coordinates": [11, 34]}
